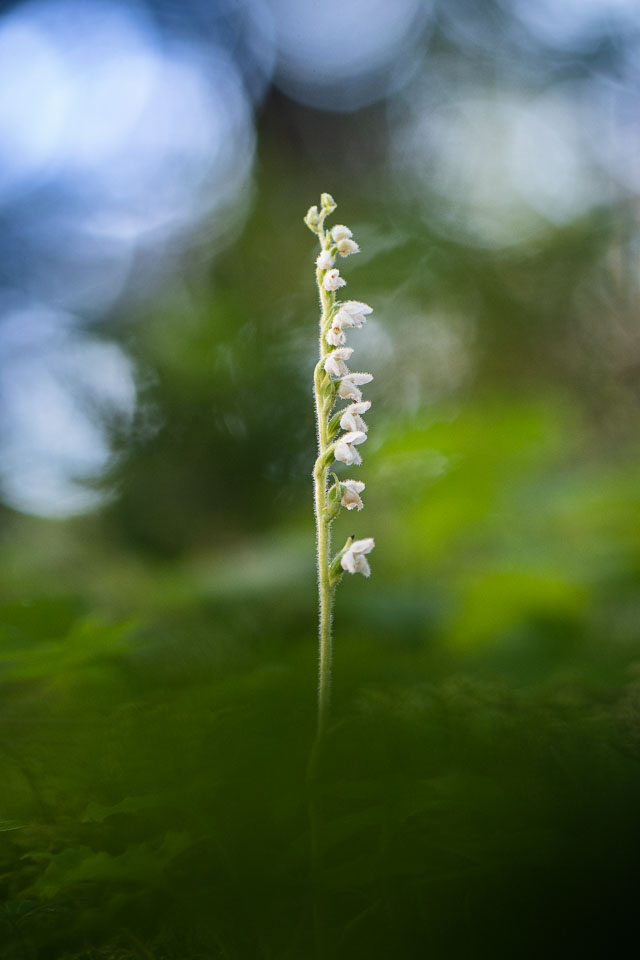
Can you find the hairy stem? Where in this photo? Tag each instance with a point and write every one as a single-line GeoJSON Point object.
{"type": "Point", "coordinates": [323, 532]}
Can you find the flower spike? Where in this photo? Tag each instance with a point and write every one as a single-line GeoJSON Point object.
{"type": "Point", "coordinates": [332, 379]}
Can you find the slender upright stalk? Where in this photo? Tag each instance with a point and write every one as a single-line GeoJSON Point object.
{"type": "Point", "coordinates": [332, 379]}
{"type": "Point", "coordinates": [323, 528]}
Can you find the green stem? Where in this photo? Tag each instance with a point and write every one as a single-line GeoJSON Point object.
{"type": "Point", "coordinates": [325, 598]}
{"type": "Point", "coordinates": [323, 532]}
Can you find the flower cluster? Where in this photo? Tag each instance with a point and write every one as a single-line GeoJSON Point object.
{"type": "Point", "coordinates": [339, 318]}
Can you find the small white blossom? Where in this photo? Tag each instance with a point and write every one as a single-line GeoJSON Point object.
{"type": "Point", "coordinates": [353, 313]}
{"type": "Point", "coordinates": [325, 261]}
{"type": "Point", "coordinates": [333, 280]}
{"type": "Point", "coordinates": [335, 362]}
{"type": "Point", "coordinates": [353, 559]}
{"type": "Point", "coordinates": [336, 336]}
{"type": "Point", "coordinates": [340, 232]}
{"type": "Point", "coordinates": [351, 418]}
{"type": "Point", "coordinates": [351, 490]}
{"type": "Point", "coordinates": [346, 448]}
{"type": "Point", "coordinates": [346, 247]}
{"type": "Point", "coordinates": [348, 388]}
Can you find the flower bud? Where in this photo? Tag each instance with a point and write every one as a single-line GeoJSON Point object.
{"type": "Point", "coordinates": [328, 203]}
{"type": "Point", "coordinates": [311, 219]}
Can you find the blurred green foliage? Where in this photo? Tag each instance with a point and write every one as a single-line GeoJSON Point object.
{"type": "Point", "coordinates": [480, 784]}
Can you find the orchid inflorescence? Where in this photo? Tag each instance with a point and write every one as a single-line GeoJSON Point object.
{"type": "Point", "coordinates": [338, 381]}
{"type": "Point", "coordinates": [333, 380]}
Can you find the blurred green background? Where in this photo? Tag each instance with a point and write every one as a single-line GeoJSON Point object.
{"type": "Point", "coordinates": [480, 785]}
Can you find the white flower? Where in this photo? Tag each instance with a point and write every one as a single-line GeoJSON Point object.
{"type": "Point", "coordinates": [348, 388]}
{"type": "Point", "coordinates": [345, 449]}
{"type": "Point", "coordinates": [325, 261]}
{"type": "Point", "coordinates": [353, 313]}
{"type": "Point", "coordinates": [347, 247]}
{"type": "Point", "coordinates": [353, 560]}
{"type": "Point", "coordinates": [351, 418]}
{"type": "Point", "coordinates": [336, 336]}
{"type": "Point", "coordinates": [335, 362]}
{"type": "Point", "coordinates": [340, 232]}
{"type": "Point", "coordinates": [333, 280]}
{"type": "Point", "coordinates": [350, 314]}
{"type": "Point", "coordinates": [351, 490]}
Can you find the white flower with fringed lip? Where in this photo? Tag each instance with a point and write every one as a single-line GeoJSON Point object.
{"type": "Point", "coordinates": [340, 232]}
{"type": "Point", "coordinates": [345, 448]}
{"type": "Point", "coordinates": [353, 559]}
{"type": "Point", "coordinates": [352, 313]}
{"type": "Point", "coordinates": [348, 388]}
{"type": "Point", "coordinates": [351, 490]}
{"type": "Point", "coordinates": [351, 418]}
{"type": "Point", "coordinates": [346, 247]}
{"type": "Point", "coordinates": [332, 280]}
{"type": "Point", "coordinates": [335, 335]}
{"type": "Point", "coordinates": [335, 362]}
{"type": "Point", "coordinates": [324, 260]}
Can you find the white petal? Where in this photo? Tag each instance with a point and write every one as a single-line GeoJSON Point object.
{"type": "Point", "coordinates": [363, 546]}
{"type": "Point", "coordinates": [347, 453]}
{"type": "Point", "coordinates": [348, 391]}
{"type": "Point", "coordinates": [335, 336]}
{"type": "Point", "coordinates": [332, 280]}
{"type": "Point", "coordinates": [325, 261]}
{"type": "Point", "coordinates": [360, 408]}
{"type": "Point", "coordinates": [356, 485]}
{"type": "Point", "coordinates": [354, 436]}
{"type": "Point", "coordinates": [348, 421]}
{"type": "Point", "coordinates": [346, 319]}
{"type": "Point", "coordinates": [347, 562]}
{"type": "Point", "coordinates": [357, 307]}
{"type": "Point", "coordinates": [359, 378]}
{"type": "Point", "coordinates": [342, 452]}
{"type": "Point", "coordinates": [335, 366]}
{"type": "Point", "coordinates": [351, 421]}
{"type": "Point", "coordinates": [351, 494]}
{"type": "Point", "coordinates": [353, 560]}
{"type": "Point", "coordinates": [346, 247]}
{"type": "Point", "coordinates": [340, 232]}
